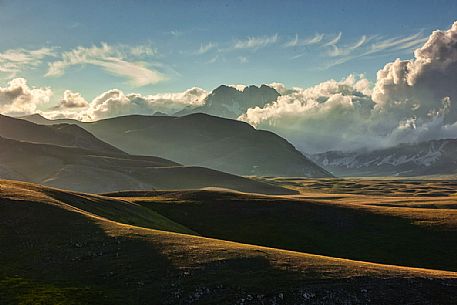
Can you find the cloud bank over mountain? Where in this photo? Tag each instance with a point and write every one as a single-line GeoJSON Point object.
{"type": "Point", "coordinates": [330, 112]}
{"type": "Point", "coordinates": [116, 103]}
{"type": "Point", "coordinates": [411, 100]}
{"type": "Point", "coordinates": [17, 98]}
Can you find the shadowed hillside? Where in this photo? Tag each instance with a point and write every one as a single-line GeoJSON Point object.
{"type": "Point", "coordinates": [88, 171]}
{"type": "Point", "coordinates": [66, 248]}
{"type": "Point", "coordinates": [360, 228]}
{"type": "Point", "coordinates": [61, 134]}
{"type": "Point", "coordinates": [203, 140]}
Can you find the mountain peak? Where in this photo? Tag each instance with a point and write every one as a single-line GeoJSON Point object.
{"type": "Point", "coordinates": [35, 115]}
{"type": "Point", "coordinates": [230, 102]}
{"type": "Point", "coordinates": [224, 89]}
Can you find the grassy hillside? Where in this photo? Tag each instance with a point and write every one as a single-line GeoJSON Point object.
{"type": "Point", "coordinates": [111, 209]}
{"type": "Point", "coordinates": [66, 248]}
{"type": "Point", "coordinates": [408, 231]}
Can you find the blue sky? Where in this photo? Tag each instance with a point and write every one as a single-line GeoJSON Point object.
{"type": "Point", "coordinates": [165, 46]}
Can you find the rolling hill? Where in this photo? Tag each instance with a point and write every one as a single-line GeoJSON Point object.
{"type": "Point", "coordinates": [408, 231]}
{"type": "Point", "coordinates": [69, 248]}
{"type": "Point", "coordinates": [435, 157]}
{"type": "Point", "coordinates": [93, 171]}
{"type": "Point", "coordinates": [203, 140]}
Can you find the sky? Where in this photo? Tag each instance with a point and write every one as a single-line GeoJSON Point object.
{"type": "Point", "coordinates": [350, 72]}
{"type": "Point", "coordinates": [208, 43]}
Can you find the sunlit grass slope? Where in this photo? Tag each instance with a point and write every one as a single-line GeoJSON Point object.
{"type": "Point", "coordinates": [408, 231]}
{"type": "Point", "coordinates": [67, 248]}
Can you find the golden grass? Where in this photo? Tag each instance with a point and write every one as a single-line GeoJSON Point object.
{"type": "Point", "coordinates": [187, 251]}
{"type": "Point", "coordinates": [431, 202]}
{"type": "Point", "coordinates": [76, 247]}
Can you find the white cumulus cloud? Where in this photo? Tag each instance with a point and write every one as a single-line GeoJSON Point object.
{"type": "Point", "coordinates": [412, 100]}
{"type": "Point", "coordinates": [332, 112]}
{"type": "Point", "coordinates": [17, 98]}
{"type": "Point", "coordinates": [72, 100]}
{"type": "Point", "coordinates": [115, 103]}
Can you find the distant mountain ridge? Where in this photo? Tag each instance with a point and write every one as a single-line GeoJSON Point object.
{"type": "Point", "coordinates": [60, 134]}
{"type": "Point", "coordinates": [203, 140]}
{"type": "Point", "coordinates": [435, 157]}
{"type": "Point", "coordinates": [229, 102]}
{"type": "Point", "coordinates": [87, 171]}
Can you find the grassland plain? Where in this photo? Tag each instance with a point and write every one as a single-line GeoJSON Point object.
{"type": "Point", "coordinates": [59, 247]}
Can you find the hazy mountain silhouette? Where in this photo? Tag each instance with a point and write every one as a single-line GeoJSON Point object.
{"type": "Point", "coordinates": [435, 157]}
{"type": "Point", "coordinates": [41, 120]}
{"type": "Point", "coordinates": [60, 134]}
{"type": "Point", "coordinates": [203, 140]}
{"type": "Point", "coordinates": [228, 102]}
{"type": "Point", "coordinates": [91, 171]}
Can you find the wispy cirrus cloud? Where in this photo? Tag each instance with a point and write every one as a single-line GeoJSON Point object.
{"type": "Point", "coordinates": [205, 48]}
{"type": "Point", "coordinates": [297, 42]}
{"type": "Point", "coordinates": [219, 51]}
{"type": "Point", "coordinates": [216, 58]}
{"type": "Point", "coordinates": [14, 61]}
{"type": "Point", "coordinates": [318, 40]}
{"type": "Point", "coordinates": [336, 51]}
{"type": "Point", "coordinates": [255, 42]}
{"type": "Point", "coordinates": [333, 41]}
{"type": "Point", "coordinates": [119, 60]}
{"type": "Point", "coordinates": [399, 43]}
{"type": "Point", "coordinates": [372, 46]}
{"type": "Point", "coordinates": [332, 46]}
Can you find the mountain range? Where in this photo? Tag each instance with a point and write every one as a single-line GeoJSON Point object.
{"type": "Point", "coordinates": [69, 157]}
{"type": "Point", "coordinates": [60, 134]}
{"type": "Point", "coordinates": [90, 171]}
{"type": "Point", "coordinates": [435, 157]}
{"type": "Point", "coordinates": [203, 140]}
